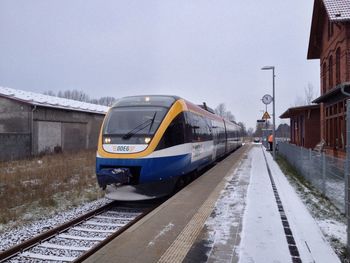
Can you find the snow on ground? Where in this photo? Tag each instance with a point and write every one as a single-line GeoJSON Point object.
{"type": "Point", "coordinates": [223, 225]}
{"type": "Point", "coordinates": [18, 235]}
{"type": "Point", "coordinates": [308, 236]}
{"type": "Point", "coordinates": [335, 228]}
{"type": "Point", "coordinates": [328, 217]}
{"type": "Point", "coordinates": [263, 238]}
{"type": "Point", "coordinates": [262, 235]}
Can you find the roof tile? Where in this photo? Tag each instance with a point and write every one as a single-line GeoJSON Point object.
{"type": "Point", "coordinates": [338, 10]}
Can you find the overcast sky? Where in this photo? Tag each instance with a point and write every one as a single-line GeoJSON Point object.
{"type": "Point", "coordinates": [200, 50]}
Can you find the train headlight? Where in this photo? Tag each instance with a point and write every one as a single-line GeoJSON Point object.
{"type": "Point", "coordinates": [147, 139]}
{"type": "Point", "coordinates": [107, 140]}
{"type": "Point", "coordinates": [147, 98]}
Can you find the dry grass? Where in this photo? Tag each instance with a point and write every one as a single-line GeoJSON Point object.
{"type": "Point", "coordinates": [50, 183]}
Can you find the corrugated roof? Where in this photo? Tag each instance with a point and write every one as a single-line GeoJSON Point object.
{"type": "Point", "coordinates": [338, 10]}
{"type": "Point", "coordinates": [51, 101]}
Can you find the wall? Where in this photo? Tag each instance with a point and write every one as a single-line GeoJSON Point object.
{"type": "Point", "coordinates": [70, 130]}
{"type": "Point", "coordinates": [329, 46]}
{"type": "Point", "coordinates": [48, 136]}
{"type": "Point", "coordinates": [332, 125]}
{"type": "Point", "coordinates": [312, 128]}
{"type": "Point", "coordinates": [305, 128]}
{"type": "Point", "coordinates": [53, 129]}
{"type": "Point", "coordinates": [15, 129]}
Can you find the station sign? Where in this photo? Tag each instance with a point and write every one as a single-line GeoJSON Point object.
{"type": "Point", "coordinates": [261, 121]}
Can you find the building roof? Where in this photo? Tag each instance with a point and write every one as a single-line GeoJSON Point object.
{"type": "Point", "coordinates": [336, 11]}
{"type": "Point", "coordinates": [295, 110]}
{"type": "Point", "coordinates": [42, 100]}
{"type": "Point", "coordinates": [336, 91]}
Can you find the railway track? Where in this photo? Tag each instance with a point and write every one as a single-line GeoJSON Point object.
{"type": "Point", "coordinates": [77, 239]}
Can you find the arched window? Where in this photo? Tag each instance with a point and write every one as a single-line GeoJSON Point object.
{"type": "Point", "coordinates": [324, 77]}
{"type": "Point", "coordinates": [330, 72]}
{"type": "Point", "coordinates": [337, 66]}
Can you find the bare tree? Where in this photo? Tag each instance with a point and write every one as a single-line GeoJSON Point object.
{"type": "Point", "coordinates": [258, 130]}
{"type": "Point", "coordinates": [221, 111]}
{"type": "Point", "coordinates": [50, 93]}
{"type": "Point", "coordinates": [107, 101]}
{"type": "Point", "coordinates": [74, 95]}
{"type": "Point", "coordinates": [230, 116]}
{"type": "Point", "coordinates": [309, 93]}
{"type": "Point", "coordinates": [82, 96]}
{"type": "Point", "coordinates": [250, 132]}
{"type": "Point", "coordinates": [244, 129]}
{"type": "Point", "coordinates": [309, 96]}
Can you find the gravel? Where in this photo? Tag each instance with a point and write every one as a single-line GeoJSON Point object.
{"type": "Point", "coordinates": [11, 237]}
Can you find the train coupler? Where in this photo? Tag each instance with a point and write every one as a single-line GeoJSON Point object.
{"type": "Point", "coordinates": [117, 176]}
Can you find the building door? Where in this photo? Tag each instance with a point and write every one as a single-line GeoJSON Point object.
{"type": "Point", "coordinates": [74, 136]}
{"type": "Point", "coordinates": [48, 136]}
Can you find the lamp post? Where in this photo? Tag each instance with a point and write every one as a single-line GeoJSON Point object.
{"type": "Point", "coordinates": [273, 106]}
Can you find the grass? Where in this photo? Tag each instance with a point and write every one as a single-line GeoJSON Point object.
{"type": "Point", "coordinates": [318, 205]}
{"type": "Point", "coordinates": [30, 189]}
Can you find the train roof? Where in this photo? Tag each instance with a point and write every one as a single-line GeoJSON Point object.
{"type": "Point", "coordinates": [42, 100]}
{"type": "Point", "coordinates": [167, 101]}
{"type": "Point", "coordinates": [146, 100]}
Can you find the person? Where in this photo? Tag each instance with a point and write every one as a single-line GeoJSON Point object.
{"type": "Point", "coordinates": [270, 140]}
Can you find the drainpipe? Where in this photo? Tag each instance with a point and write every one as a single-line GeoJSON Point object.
{"type": "Point", "coordinates": [32, 130]}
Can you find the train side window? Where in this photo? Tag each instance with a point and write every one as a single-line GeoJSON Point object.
{"type": "Point", "coordinates": [189, 133]}
{"type": "Point", "coordinates": [193, 127]}
{"type": "Point", "coordinates": [174, 134]}
{"type": "Point", "coordinates": [198, 128]}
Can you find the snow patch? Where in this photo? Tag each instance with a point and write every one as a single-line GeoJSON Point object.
{"type": "Point", "coordinates": [336, 229]}
{"type": "Point", "coordinates": [167, 228]}
{"type": "Point", "coordinates": [222, 225]}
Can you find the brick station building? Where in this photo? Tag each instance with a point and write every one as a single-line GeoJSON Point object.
{"type": "Point", "coordinates": [330, 43]}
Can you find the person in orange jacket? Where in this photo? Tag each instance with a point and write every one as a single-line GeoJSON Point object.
{"type": "Point", "coordinates": [270, 140]}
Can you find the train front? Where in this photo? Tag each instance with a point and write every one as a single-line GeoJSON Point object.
{"type": "Point", "coordinates": [128, 166]}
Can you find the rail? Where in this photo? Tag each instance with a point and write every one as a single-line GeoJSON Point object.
{"type": "Point", "coordinates": [79, 238]}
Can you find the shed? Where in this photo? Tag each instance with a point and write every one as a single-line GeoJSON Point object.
{"type": "Point", "coordinates": [33, 123]}
{"type": "Point", "coordinates": [304, 125]}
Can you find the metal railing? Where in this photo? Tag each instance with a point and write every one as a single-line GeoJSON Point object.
{"type": "Point", "coordinates": [324, 172]}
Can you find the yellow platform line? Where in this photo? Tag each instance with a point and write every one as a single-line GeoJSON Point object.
{"type": "Point", "coordinates": [184, 241]}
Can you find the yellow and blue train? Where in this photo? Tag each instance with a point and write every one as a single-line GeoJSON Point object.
{"type": "Point", "coordinates": [148, 145]}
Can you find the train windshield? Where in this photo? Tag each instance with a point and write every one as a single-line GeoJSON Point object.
{"type": "Point", "coordinates": [133, 125]}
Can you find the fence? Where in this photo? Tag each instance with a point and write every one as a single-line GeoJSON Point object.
{"type": "Point", "coordinates": [326, 173]}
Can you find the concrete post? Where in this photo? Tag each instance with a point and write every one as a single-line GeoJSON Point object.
{"type": "Point", "coordinates": [323, 173]}
{"type": "Point", "coordinates": [301, 160]}
{"type": "Point", "coordinates": [310, 166]}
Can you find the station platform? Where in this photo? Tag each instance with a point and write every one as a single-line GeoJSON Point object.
{"type": "Point", "coordinates": [229, 214]}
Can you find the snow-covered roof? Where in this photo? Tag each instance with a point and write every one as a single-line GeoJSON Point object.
{"type": "Point", "coordinates": [51, 101]}
{"type": "Point", "coordinates": [338, 10]}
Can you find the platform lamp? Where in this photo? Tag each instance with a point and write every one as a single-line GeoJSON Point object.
{"type": "Point", "coordinates": [273, 106]}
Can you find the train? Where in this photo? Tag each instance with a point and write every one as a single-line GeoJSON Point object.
{"type": "Point", "coordinates": [150, 145]}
